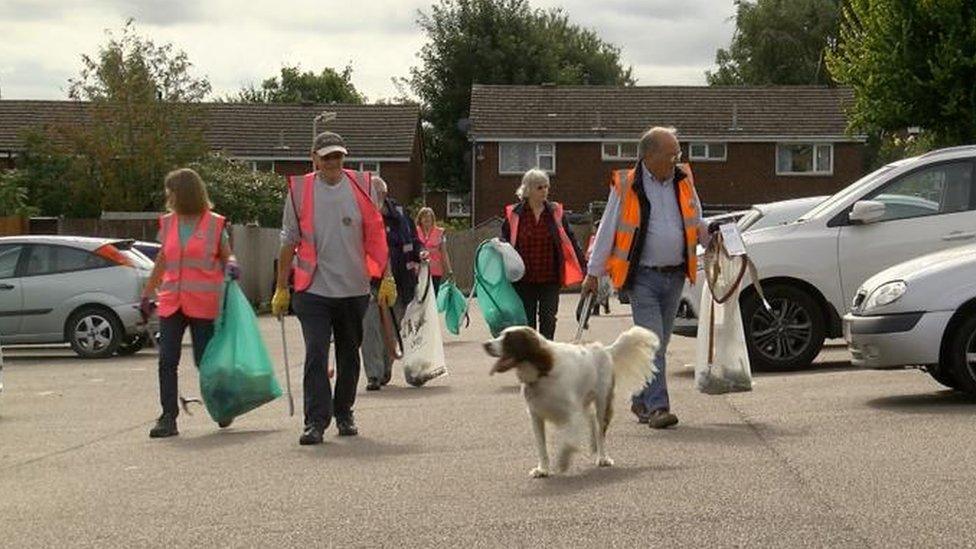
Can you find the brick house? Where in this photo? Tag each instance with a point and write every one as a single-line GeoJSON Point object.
{"type": "Point", "coordinates": [276, 137]}
{"type": "Point", "coordinates": [746, 145]}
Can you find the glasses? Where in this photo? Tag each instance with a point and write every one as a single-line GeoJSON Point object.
{"type": "Point", "coordinates": [542, 187]}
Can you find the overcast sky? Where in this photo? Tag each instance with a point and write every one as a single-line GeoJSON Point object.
{"type": "Point", "coordinates": [235, 43]}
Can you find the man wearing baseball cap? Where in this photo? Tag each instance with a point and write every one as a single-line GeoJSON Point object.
{"type": "Point", "coordinates": [333, 240]}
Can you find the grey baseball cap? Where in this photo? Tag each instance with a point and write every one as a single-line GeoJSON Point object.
{"type": "Point", "coordinates": [327, 143]}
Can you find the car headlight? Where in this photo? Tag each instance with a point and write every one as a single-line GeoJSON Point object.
{"type": "Point", "coordinates": [885, 294]}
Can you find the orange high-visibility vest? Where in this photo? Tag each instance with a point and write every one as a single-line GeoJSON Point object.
{"type": "Point", "coordinates": [374, 232]}
{"type": "Point", "coordinates": [432, 243]}
{"type": "Point", "coordinates": [629, 222]}
{"type": "Point", "coordinates": [194, 276]}
{"type": "Point", "coordinates": [571, 271]}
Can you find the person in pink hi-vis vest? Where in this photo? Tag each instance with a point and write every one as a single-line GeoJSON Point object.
{"type": "Point", "coordinates": [334, 242]}
{"type": "Point", "coordinates": [435, 242]}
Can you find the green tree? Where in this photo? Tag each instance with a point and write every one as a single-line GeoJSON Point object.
{"type": "Point", "coordinates": [496, 42]}
{"type": "Point", "coordinates": [13, 194]}
{"type": "Point", "coordinates": [910, 63]}
{"type": "Point", "coordinates": [295, 86]}
{"type": "Point", "coordinates": [139, 117]}
{"type": "Point", "coordinates": [240, 193]}
{"type": "Point", "coordinates": [778, 42]}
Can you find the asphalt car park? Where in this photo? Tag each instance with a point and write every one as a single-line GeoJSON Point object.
{"type": "Point", "coordinates": [830, 456]}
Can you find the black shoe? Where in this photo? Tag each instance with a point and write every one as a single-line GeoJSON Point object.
{"type": "Point", "coordinates": [639, 410]}
{"type": "Point", "coordinates": [311, 435]}
{"type": "Point", "coordinates": [223, 424]}
{"type": "Point", "coordinates": [661, 419]}
{"type": "Point", "coordinates": [347, 426]}
{"type": "Point", "coordinates": [165, 427]}
{"type": "Point", "coordinates": [373, 384]}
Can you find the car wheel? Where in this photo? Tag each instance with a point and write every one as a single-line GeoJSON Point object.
{"type": "Point", "coordinates": [132, 344]}
{"type": "Point", "coordinates": [962, 356]}
{"type": "Point", "coordinates": [788, 336]}
{"type": "Point", "coordinates": [943, 374]}
{"type": "Point", "coordinates": [94, 332]}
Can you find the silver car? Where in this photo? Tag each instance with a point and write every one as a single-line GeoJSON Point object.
{"type": "Point", "coordinates": [758, 217]}
{"type": "Point", "coordinates": [919, 313]}
{"type": "Point", "coordinates": [75, 290]}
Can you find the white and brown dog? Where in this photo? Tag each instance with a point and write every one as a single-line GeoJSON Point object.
{"type": "Point", "coordinates": [571, 386]}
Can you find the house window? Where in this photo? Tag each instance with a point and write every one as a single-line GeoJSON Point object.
{"type": "Point", "coordinates": [518, 158]}
{"type": "Point", "coordinates": [804, 159]}
{"type": "Point", "coordinates": [263, 166]}
{"type": "Point", "coordinates": [458, 205]}
{"type": "Point", "coordinates": [708, 152]}
{"type": "Point", "coordinates": [371, 167]}
{"type": "Point", "coordinates": [620, 151]}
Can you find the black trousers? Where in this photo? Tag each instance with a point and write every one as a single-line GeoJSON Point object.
{"type": "Point", "coordinates": [321, 317]}
{"type": "Point", "coordinates": [541, 302]}
{"type": "Point", "coordinates": [171, 330]}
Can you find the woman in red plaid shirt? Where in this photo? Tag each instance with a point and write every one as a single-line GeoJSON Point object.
{"type": "Point", "coordinates": [538, 230]}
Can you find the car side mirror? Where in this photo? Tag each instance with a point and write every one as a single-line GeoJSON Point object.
{"type": "Point", "coordinates": [867, 211]}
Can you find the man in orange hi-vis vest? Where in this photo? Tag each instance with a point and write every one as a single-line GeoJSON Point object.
{"type": "Point", "coordinates": [646, 243]}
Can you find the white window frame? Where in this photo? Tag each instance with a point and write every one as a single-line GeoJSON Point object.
{"type": "Point", "coordinates": [463, 200]}
{"type": "Point", "coordinates": [815, 172]}
{"type": "Point", "coordinates": [254, 165]}
{"type": "Point", "coordinates": [619, 145]}
{"type": "Point", "coordinates": [708, 151]}
{"type": "Point", "coordinates": [538, 155]}
{"type": "Point", "coordinates": [357, 165]}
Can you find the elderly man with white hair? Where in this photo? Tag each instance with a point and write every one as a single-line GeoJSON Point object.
{"type": "Point", "coordinates": [406, 252]}
{"type": "Point", "coordinates": [646, 243]}
{"type": "Point", "coordinates": [539, 232]}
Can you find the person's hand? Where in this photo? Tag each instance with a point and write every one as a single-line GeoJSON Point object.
{"type": "Point", "coordinates": [280, 301]}
{"type": "Point", "coordinates": [387, 294]}
{"type": "Point", "coordinates": [146, 308]}
{"type": "Point", "coordinates": [449, 275]}
{"type": "Point", "coordinates": [232, 270]}
{"type": "Point", "coordinates": [589, 285]}
{"type": "Point", "coordinates": [424, 255]}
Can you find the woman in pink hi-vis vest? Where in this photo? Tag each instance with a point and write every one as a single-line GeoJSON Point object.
{"type": "Point", "coordinates": [435, 242]}
{"type": "Point", "coordinates": [189, 276]}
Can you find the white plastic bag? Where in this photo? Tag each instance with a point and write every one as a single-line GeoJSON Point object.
{"type": "Point", "coordinates": [423, 346]}
{"type": "Point", "coordinates": [720, 325]}
{"type": "Point", "coordinates": [514, 266]}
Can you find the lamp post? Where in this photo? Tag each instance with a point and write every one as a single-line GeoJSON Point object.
{"type": "Point", "coordinates": [323, 117]}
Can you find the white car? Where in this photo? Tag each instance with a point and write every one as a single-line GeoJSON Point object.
{"type": "Point", "coordinates": [812, 268]}
{"type": "Point", "coordinates": [758, 217]}
{"type": "Point", "coordinates": [919, 313]}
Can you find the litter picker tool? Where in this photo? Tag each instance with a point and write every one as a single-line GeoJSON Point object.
{"type": "Point", "coordinates": [284, 350]}
{"type": "Point", "coordinates": [584, 316]}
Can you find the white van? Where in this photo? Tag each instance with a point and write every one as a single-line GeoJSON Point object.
{"type": "Point", "coordinates": [812, 268]}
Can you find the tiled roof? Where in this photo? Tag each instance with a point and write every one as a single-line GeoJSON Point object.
{"type": "Point", "coordinates": [600, 112]}
{"type": "Point", "coordinates": [251, 130]}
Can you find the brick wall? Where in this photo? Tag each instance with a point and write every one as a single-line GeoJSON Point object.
{"type": "Point", "coordinates": [747, 176]}
{"type": "Point", "coordinates": [403, 178]}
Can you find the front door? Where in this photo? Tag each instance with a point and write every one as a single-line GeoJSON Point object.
{"type": "Point", "coordinates": [926, 210]}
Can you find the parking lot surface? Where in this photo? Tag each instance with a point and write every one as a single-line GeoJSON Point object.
{"type": "Point", "coordinates": [832, 456]}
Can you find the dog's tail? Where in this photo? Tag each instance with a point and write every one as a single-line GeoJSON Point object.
{"type": "Point", "coordinates": [632, 354]}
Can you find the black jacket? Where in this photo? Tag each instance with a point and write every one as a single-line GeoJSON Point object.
{"type": "Point", "coordinates": [557, 247]}
{"type": "Point", "coordinates": [405, 247]}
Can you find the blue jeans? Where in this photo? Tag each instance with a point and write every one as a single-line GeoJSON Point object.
{"type": "Point", "coordinates": [654, 299]}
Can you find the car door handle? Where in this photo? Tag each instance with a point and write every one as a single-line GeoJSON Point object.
{"type": "Point", "coordinates": [6, 286]}
{"type": "Point", "coordinates": [958, 235]}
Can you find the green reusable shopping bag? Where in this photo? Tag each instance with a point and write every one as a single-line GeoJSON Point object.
{"type": "Point", "coordinates": [236, 374]}
{"type": "Point", "coordinates": [499, 303]}
{"type": "Point", "coordinates": [451, 302]}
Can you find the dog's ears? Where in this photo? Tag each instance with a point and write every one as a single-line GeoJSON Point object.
{"type": "Point", "coordinates": [526, 346]}
{"type": "Point", "coordinates": [503, 365]}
